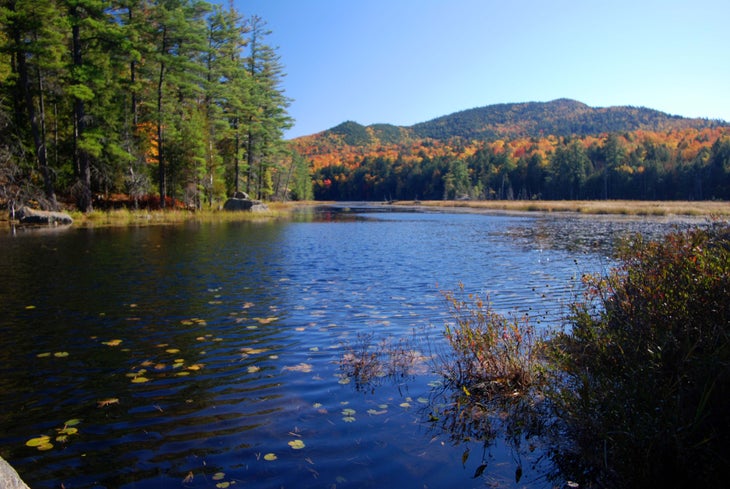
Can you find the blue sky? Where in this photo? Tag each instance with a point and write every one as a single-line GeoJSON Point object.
{"type": "Point", "coordinates": [408, 61]}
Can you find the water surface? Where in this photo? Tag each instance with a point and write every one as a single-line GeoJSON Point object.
{"type": "Point", "coordinates": [193, 355]}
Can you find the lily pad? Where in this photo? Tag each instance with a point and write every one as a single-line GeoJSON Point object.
{"type": "Point", "coordinates": [38, 441]}
{"type": "Point", "coordinates": [61, 354]}
{"type": "Point", "coordinates": [218, 476]}
{"type": "Point", "coordinates": [140, 380]}
{"type": "Point", "coordinates": [297, 444]}
{"type": "Point", "coordinates": [115, 342]}
{"type": "Point", "coordinates": [270, 457]}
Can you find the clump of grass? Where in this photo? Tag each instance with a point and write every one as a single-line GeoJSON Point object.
{"type": "Point", "coordinates": [368, 362]}
{"type": "Point", "coordinates": [492, 356]}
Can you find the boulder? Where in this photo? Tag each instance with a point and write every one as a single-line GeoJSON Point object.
{"type": "Point", "coordinates": [26, 215]}
{"type": "Point", "coordinates": [9, 478]}
{"type": "Point", "coordinates": [237, 204]}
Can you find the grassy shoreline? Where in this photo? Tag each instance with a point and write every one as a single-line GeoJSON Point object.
{"type": "Point", "coordinates": [609, 207]}
{"type": "Point", "coordinates": [283, 210]}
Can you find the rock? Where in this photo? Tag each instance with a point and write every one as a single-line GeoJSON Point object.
{"type": "Point", "coordinates": [236, 204]}
{"type": "Point", "coordinates": [9, 478]}
{"type": "Point", "coordinates": [26, 215]}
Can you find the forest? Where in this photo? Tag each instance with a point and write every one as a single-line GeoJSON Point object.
{"type": "Point", "coordinates": [675, 160]}
{"type": "Point", "coordinates": [153, 102]}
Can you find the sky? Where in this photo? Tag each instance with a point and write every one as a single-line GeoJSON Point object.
{"type": "Point", "coordinates": [408, 61]}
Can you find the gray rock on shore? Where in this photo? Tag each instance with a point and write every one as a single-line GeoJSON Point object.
{"type": "Point", "coordinates": [9, 478]}
{"type": "Point", "coordinates": [26, 215]}
{"type": "Point", "coordinates": [242, 202]}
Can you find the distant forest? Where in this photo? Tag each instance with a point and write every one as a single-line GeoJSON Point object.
{"type": "Point", "coordinates": [556, 150]}
{"type": "Point", "coordinates": [177, 102]}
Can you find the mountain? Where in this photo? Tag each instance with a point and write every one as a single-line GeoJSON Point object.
{"type": "Point", "coordinates": [349, 142]}
{"type": "Point", "coordinates": [561, 117]}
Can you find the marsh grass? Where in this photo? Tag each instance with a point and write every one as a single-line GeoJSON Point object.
{"type": "Point", "coordinates": [142, 217]}
{"type": "Point", "coordinates": [615, 207]}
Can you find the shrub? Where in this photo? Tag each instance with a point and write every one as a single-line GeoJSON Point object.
{"type": "Point", "coordinates": [642, 382]}
{"type": "Point", "coordinates": [491, 355]}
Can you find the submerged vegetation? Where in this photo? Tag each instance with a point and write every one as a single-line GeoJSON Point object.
{"type": "Point", "coordinates": [634, 393]}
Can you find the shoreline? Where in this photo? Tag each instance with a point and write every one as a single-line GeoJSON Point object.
{"type": "Point", "coordinates": [283, 210]}
{"type": "Point", "coordinates": [588, 207]}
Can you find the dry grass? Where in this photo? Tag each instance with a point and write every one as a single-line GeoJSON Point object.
{"type": "Point", "coordinates": [128, 217]}
{"type": "Point", "coordinates": [617, 207]}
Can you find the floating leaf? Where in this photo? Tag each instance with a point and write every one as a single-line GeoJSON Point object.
{"type": "Point", "coordinates": [45, 446]}
{"type": "Point", "coordinates": [405, 405]}
{"type": "Point", "coordinates": [302, 367]}
{"type": "Point", "coordinates": [344, 380]}
{"type": "Point", "coordinates": [348, 412]}
{"type": "Point", "coordinates": [374, 412]}
{"type": "Point", "coordinates": [68, 431]}
{"type": "Point", "coordinates": [60, 354]}
{"type": "Point", "coordinates": [140, 380]}
{"type": "Point", "coordinates": [115, 342]}
{"type": "Point", "coordinates": [30, 307]}
{"type": "Point", "coordinates": [38, 441]}
{"type": "Point", "coordinates": [173, 350]}
{"type": "Point", "coordinates": [265, 320]}
{"type": "Point", "coordinates": [182, 374]}
{"type": "Point", "coordinates": [195, 366]}
{"type": "Point", "coordinates": [218, 476]}
{"type": "Point", "coordinates": [107, 402]}
{"type": "Point", "coordinates": [422, 400]}
{"type": "Point", "coordinates": [253, 369]}
{"type": "Point", "coordinates": [223, 485]}
{"type": "Point", "coordinates": [44, 355]}
{"type": "Point", "coordinates": [296, 444]}
{"type": "Point", "coordinates": [62, 438]}
{"type": "Point", "coordinates": [348, 419]}
{"type": "Point", "coordinates": [270, 457]}
{"type": "Point", "coordinates": [480, 470]}
{"type": "Point", "coordinates": [317, 405]}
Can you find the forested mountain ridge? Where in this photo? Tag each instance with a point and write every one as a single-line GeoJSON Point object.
{"type": "Point", "coordinates": [562, 149]}
{"type": "Point", "coordinates": [561, 117]}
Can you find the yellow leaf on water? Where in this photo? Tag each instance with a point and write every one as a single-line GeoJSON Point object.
{"type": "Point", "coordinates": [302, 367]}
{"type": "Point", "coordinates": [38, 441]}
{"type": "Point", "coordinates": [218, 476]}
{"type": "Point", "coordinates": [140, 380]}
{"type": "Point", "coordinates": [173, 350]}
{"type": "Point", "coordinates": [253, 369]}
{"type": "Point", "coordinates": [60, 354]}
{"type": "Point", "coordinates": [30, 307]}
{"type": "Point", "coordinates": [297, 444]}
{"type": "Point", "coordinates": [44, 355]}
{"type": "Point", "coordinates": [270, 457]}
{"type": "Point", "coordinates": [223, 485]}
{"type": "Point", "coordinates": [266, 320]}
{"type": "Point", "coordinates": [116, 342]}
{"type": "Point", "coordinates": [45, 446]}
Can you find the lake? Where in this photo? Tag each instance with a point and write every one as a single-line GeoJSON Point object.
{"type": "Point", "coordinates": [214, 355]}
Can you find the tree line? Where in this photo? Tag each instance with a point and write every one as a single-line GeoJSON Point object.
{"type": "Point", "coordinates": [181, 99]}
{"type": "Point", "coordinates": [677, 165]}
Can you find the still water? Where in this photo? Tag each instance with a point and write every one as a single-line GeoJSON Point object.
{"type": "Point", "coordinates": [209, 355]}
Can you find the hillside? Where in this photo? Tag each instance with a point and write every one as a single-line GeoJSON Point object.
{"type": "Point", "coordinates": [561, 118]}
{"type": "Point", "coordinates": [555, 150]}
